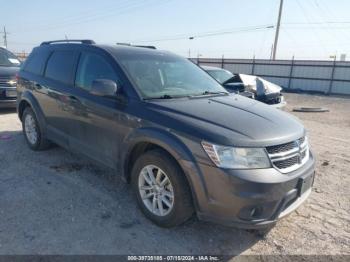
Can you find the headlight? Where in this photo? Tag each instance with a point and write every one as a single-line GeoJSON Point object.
{"type": "Point", "coordinates": [237, 157]}
{"type": "Point", "coordinates": [12, 82]}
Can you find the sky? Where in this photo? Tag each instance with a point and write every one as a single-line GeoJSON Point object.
{"type": "Point", "coordinates": [310, 29]}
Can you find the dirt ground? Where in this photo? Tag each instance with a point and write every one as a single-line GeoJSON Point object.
{"type": "Point", "coordinates": [54, 202]}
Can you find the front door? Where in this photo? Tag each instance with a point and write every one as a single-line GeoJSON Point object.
{"type": "Point", "coordinates": [98, 125]}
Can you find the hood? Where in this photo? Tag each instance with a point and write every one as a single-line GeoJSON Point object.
{"type": "Point", "coordinates": [8, 71]}
{"type": "Point", "coordinates": [250, 82]}
{"type": "Point", "coordinates": [227, 120]}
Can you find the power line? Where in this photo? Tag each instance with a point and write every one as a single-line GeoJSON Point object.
{"type": "Point", "coordinates": [316, 23]}
{"type": "Point", "coordinates": [265, 33]}
{"type": "Point", "coordinates": [68, 18]}
{"type": "Point", "coordinates": [317, 27]}
{"type": "Point", "coordinates": [129, 7]}
{"type": "Point", "coordinates": [71, 20]}
{"type": "Point", "coordinates": [205, 34]}
{"type": "Point", "coordinates": [307, 18]}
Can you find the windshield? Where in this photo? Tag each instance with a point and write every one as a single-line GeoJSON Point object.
{"type": "Point", "coordinates": [167, 76]}
{"type": "Point", "coordinates": [8, 59]}
{"type": "Point", "coordinates": [220, 75]}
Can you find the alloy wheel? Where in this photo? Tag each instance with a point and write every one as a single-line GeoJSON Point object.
{"type": "Point", "coordinates": [156, 190]}
{"type": "Point", "coordinates": [31, 129]}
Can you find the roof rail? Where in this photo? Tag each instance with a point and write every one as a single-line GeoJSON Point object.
{"type": "Point", "coordinates": [143, 46]}
{"type": "Point", "coordinates": [146, 46]}
{"type": "Point", "coordinates": [82, 41]}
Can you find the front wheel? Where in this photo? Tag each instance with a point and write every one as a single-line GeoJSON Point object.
{"type": "Point", "coordinates": [161, 188]}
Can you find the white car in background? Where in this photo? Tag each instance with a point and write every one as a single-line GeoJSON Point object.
{"type": "Point", "coordinates": [248, 85]}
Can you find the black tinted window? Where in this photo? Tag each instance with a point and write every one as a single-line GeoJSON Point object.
{"type": "Point", "coordinates": [92, 67]}
{"type": "Point", "coordinates": [60, 66]}
{"type": "Point", "coordinates": [36, 62]}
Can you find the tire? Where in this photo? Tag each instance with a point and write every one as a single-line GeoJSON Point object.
{"type": "Point", "coordinates": [32, 131]}
{"type": "Point", "coordinates": [181, 209]}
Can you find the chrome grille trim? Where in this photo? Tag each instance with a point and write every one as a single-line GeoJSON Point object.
{"type": "Point", "coordinates": [4, 80]}
{"type": "Point", "coordinates": [290, 156]}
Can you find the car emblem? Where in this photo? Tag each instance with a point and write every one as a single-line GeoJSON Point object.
{"type": "Point", "coordinates": [297, 143]}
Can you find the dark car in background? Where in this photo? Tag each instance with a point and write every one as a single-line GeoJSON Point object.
{"type": "Point", "coordinates": [9, 67]}
{"type": "Point", "coordinates": [248, 85]}
{"type": "Point", "coordinates": [186, 144]}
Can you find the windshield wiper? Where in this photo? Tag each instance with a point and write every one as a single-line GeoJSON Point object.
{"type": "Point", "coordinates": [214, 93]}
{"type": "Point", "coordinates": [166, 96]}
{"type": "Point", "coordinates": [206, 93]}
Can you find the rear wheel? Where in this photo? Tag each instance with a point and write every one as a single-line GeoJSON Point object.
{"type": "Point", "coordinates": [161, 189]}
{"type": "Point", "coordinates": [32, 131]}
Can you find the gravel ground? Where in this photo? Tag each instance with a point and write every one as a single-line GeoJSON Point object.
{"type": "Point", "coordinates": [54, 202]}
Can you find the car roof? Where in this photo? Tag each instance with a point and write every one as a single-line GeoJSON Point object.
{"type": "Point", "coordinates": [131, 50]}
{"type": "Point", "coordinates": [114, 50]}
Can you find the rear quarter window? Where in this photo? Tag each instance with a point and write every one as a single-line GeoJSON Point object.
{"type": "Point", "coordinates": [60, 66]}
{"type": "Point", "coordinates": [36, 62]}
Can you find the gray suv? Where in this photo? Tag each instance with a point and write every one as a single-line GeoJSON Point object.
{"type": "Point", "coordinates": [187, 146]}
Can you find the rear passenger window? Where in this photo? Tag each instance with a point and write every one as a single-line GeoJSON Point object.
{"type": "Point", "coordinates": [36, 62]}
{"type": "Point", "coordinates": [91, 67]}
{"type": "Point", "coordinates": [60, 66]}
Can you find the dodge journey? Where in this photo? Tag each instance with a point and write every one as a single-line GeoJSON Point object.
{"type": "Point", "coordinates": [187, 146]}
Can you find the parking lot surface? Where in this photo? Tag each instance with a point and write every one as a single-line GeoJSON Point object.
{"type": "Point", "coordinates": [54, 202]}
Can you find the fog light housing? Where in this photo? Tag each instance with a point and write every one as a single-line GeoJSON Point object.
{"type": "Point", "coordinates": [258, 212]}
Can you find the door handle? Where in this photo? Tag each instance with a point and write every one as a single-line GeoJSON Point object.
{"type": "Point", "coordinates": [73, 99]}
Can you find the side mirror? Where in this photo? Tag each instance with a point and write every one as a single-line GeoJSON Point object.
{"type": "Point", "coordinates": [234, 87]}
{"type": "Point", "coordinates": [104, 87]}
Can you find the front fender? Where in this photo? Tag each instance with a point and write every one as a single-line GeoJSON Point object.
{"type": "Point", "coordinates": [177, 149]}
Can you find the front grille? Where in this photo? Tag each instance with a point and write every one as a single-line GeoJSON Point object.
{"type": "Point", "coordinates": [285, 147]}
{"type": "Point", "coordinates": [4, 80]}
{"type": "Point", "coordinates": [289, 156]}
{"type": "Point", "coordinates": [287, 163]}
{"type": "Point", "coordinates": [280, 148]}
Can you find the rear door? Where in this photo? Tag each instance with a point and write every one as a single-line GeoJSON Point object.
{"type": "Point", "coordinates": [98, 126]}
{"type": "Point", "coordinates": [58, 84]}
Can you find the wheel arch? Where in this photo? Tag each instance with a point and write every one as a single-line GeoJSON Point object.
{"type": "Point", "coordinates": [28, 99]}
{"type": "Point", "coordinates": [145, 139]}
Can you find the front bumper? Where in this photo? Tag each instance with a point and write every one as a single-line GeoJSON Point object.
{"type": "Point", "coordinates": [253, 199]}
{"type": "Point", "coordinates": [6, 100]}
{"type": "Point", "coordinates": [281, 104]}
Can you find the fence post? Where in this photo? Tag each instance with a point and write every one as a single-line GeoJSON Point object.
{"type": "Point", "coordinates": [222, 62]}
{"type": "Point", "coordinates": [253, 65]}
{"type": "Point", "coordinates": [332, 76]}
{"type": "Point", "coordinates": [291, 72]}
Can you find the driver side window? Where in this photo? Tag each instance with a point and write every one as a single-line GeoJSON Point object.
{"type": "Point", "coordinates": [91, 67]}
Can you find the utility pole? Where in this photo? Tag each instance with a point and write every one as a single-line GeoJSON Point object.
{"type": "Point", "coordinates": [271, 52]}
{"type": "Point", "coordinates": [5, 37]}
{"type": "Point", "coordinates": [277, 31]}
